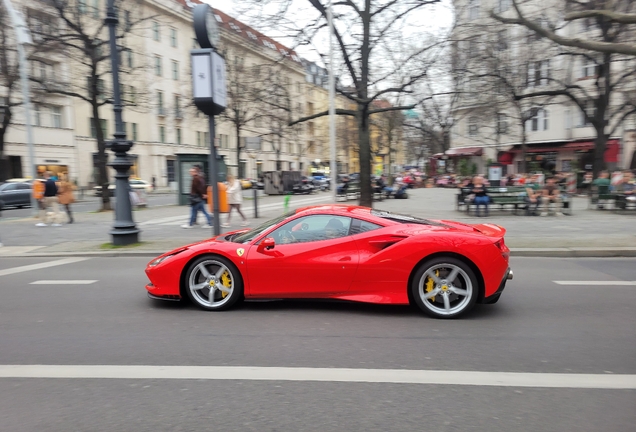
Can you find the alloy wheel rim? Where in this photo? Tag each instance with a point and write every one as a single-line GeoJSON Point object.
{"type": "Point", "coordinates": [211, 283]}
{"type": "Point", "coordinates": [445, 289]}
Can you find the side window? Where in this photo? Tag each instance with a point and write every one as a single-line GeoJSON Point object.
{"type": "Point", "coordinates": [24, 186]}
{"type": "Point", "coordinates": [359, 226]}
{"type": "Point", "coordinates": [11, 187]}
{"type": "Point", "coordinates": [312, 228]}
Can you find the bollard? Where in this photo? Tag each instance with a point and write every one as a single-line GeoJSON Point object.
{"type": "Point", "coordinates": [255, 202]}
{"type": "Point", "coordinates": [286, 203]}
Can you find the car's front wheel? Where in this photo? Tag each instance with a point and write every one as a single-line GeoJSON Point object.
{"type": "Point", "coordinates": [213, 283]}
{"type": "Point", "coordinates": [445, 287]}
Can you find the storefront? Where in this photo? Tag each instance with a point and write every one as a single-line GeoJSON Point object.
{"type": "Point", "coordinates": [563, 156]}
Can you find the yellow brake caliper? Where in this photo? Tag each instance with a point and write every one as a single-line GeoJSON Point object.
{"type": "Point", "coordinates": [430, 284]}
{"type": "Point", "coordinates": [227, 282]}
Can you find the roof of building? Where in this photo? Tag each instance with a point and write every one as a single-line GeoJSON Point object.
{"type": "Point", "coordinates": [248, 33]}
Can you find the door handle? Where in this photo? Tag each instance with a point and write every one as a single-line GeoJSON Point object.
{"type": "Point", "coordinates": [347, 258]}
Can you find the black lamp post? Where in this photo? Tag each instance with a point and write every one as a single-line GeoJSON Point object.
{"type": "Point", "coordinates": [124, 230]}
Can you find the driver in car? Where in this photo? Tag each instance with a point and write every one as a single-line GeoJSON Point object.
{"type": "Point", "coordinates": [333, 229]}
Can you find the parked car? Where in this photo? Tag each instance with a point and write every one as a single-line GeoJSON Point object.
{"type": "Point", "coordinates": [15, 194]}
{"type": "Point", "coordinates": [135, 184]}
{"type": "Point", "coordinates": [246, 184]}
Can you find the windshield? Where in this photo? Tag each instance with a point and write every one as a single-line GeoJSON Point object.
{"type": "Point", "coordinates": [250, 235]}
{"type": "Point", "coordinates": [396, 217]}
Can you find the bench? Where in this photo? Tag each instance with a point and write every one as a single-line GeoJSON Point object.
{"type": "Point", "coordinates": [513, 197]}
{"type": "Point", "coordinates": [622, 202]}
{"type": "Point", "coordinates": [601, 197]}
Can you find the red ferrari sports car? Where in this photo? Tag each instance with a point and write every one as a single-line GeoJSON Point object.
{"type": "Point", "coordinates": [341, 252]}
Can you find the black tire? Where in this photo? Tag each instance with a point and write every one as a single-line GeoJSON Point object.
{"type": "Point", "coordinates": [454, 297]}
{"type": "Point", "coordinates": [214, 266]}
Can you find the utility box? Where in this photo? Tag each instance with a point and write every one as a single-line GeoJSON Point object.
{"type": "Point", "coordinates": [280, 182]}
{"type": "Point", "coordinates": [185, 161]}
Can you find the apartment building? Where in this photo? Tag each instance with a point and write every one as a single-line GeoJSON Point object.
{"type": "Point", "coordinates": [495, 62]}
{"type": "Point", "coordinates": [156, 89]}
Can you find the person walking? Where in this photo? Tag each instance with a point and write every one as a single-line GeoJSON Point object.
{"type": "Point", "coordinates": [198, 195]}
{"type": "Point", "coordinates": [49, 201]}
{"type": "Point", "coordinates": [235, 199]}
{"type": "Point", "coordinates": [65, 195]}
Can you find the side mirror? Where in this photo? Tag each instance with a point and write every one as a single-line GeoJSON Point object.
{"type": "Point", "coordinates": [267, 244]}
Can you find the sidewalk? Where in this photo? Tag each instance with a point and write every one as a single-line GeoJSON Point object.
{"type": "Point", "coordinates": [585, 233]}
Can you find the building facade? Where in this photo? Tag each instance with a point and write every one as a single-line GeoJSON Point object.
{"type": "Point", "coordinates": [156, 88]}
{"type": "Point", "coordinates": [495, 63]}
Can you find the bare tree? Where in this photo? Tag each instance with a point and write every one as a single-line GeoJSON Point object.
{"type": "Point", "coordinates": [76, 32]}
{"type": "Point", "coordinates": [372, 49]}
{"type": "Point", "coordinates": [597, 72]}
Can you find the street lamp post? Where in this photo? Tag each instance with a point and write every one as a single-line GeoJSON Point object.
{"type": "Point", "coordinates": [124, 230]}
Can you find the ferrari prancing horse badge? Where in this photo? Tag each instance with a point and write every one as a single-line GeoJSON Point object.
{"type": "Point", "coordinates": [240, 251]}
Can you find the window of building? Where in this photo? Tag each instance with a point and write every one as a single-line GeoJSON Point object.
{"type": "Point", "coordinates": [473, 9]}
{"type": "Point", "coordinates": [158, 68]}
{"type": "Point", "coordinates": [173, 37]}
{"type": "Point", "coordinates": [206, 138]}
{"type": "Point", "coordinates": [129, 58]}
{"type": "Point", "coordinates": [156, 32]}
{"type": "Point", "coordinates": [503, 5]}
{"type": "Point", "coordinates": [502, 124]}
{"type": "Point", "coordinates": [127, 20]}
{"type": "Point", "coordinates": [132, 94]}
{"type": "Point", "coordinates": [175, 70]}
{"type": "Point", "coordinates": [37, 115]}
{"type": "Point", "coordinates": [178, 136]}
{"type": "Point", "coordinates": [82, 6]}
{"type": "Point", "coordinates": [473, 126]}
{"type": "Point", "coordinates": [170, 170]}
{"type": "Point", "coordinates": [589, 68]}
{"type": "Point", "coordinates": [258, 122]}
{"type": "Point", "coordinates": [56, 117]}
{"type": "Point", "coordinates": [162, 134]}
{"type": "Point", "coordinates": [160, 108]}
{"type": "Point", "coordinates": [199, 138]}
{"type": "Point", "coordinates": [104, 126]}
{"type": "Point", "coordinates": [539, 120]}
{"type": "Point", "coordinates": [96, 11]}
{"type": "Point", "coordinates": [134, 131]}
{"type": "Point", "coordinates": [225, 142]}
{"type": "Point", "coordinates": [502, 40]}
{"type": "Point", "coordinates": [590, 109]}
{"type": "Point", "coordinates": [539, 73]}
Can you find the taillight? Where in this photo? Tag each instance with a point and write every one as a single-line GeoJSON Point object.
{"type": "Point", "coordinates": [505, 252]}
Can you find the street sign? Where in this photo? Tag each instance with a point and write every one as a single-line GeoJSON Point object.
{"type": "Point", "coordinates": [208, 81]}
{"type": "Point", "coordinates": [253, 143]}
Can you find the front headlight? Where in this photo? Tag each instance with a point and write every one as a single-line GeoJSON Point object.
{"type": "Point", "coordinates": [159, 260]}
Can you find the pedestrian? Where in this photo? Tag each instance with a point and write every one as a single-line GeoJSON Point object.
{"type": "Point", "coordinates": [234, 198]}
{"type": "Point", "coordinates": [65, 195]}
{"type": "Point", "coordinates": [154, 183]}
{"type": "Point", "coordinates": [481, 197]}
{"type": "Point", "coordinates": [49, 201]}
{"type": "Point", "coordinates": [198, 195]}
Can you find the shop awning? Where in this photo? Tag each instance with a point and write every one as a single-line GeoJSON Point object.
{"type": "Point", "coordinates": [612, 149]}
{"type": "Point", "coordinates": [465, 151]}
{"type": "Point", "coordinates": [587, 145]}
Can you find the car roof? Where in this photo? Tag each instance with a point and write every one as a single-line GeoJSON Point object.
{"type": "Point", "coordinates": [343, 209]}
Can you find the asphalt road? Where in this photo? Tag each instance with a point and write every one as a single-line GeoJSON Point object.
{"type": "Point", "coordinates": [538, 327]}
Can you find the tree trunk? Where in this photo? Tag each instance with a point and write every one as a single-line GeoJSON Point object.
{"type": "Point", "coordinates": [523, 148]}
{"type": "Point", "coordinates": [237, 127]}
{"type": "Point", "coordinates": [101, 157]}
{"type": "Point", "coordinates": [366, 198]}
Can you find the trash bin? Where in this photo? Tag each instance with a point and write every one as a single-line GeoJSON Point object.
{"type": "Point", "coordinates": [224, 206]}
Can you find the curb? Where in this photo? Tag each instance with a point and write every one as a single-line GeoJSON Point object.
{"type": "Point", "coordinates": [620, 252]}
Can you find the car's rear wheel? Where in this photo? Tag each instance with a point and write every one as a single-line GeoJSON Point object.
{"type": "Point", "coordinates": [445, 287]}
{"type": "Point", "coordinates": [213, 283]}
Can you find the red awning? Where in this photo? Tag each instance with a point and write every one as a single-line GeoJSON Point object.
{"type": "Point", "coordinates": [506, 158]}
{"type": "Point", "coordinates": [611, 151]}
{"type": "Point", "coordinates": [587, 145]}
{"type": "Point", "coordinates": [465, 151]}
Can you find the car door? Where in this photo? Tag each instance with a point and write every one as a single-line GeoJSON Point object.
{"type": "Point", "coordinates": [309, 259]}
{"type": "Point", "coordinates": [9, 194]}
{"type": "Point", "coordinates": [24, 194]}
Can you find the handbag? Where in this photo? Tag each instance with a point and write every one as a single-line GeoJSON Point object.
{"type": "Point", "coordinates": [195, 199]}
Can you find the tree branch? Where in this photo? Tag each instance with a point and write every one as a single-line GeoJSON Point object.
{"type": "Point", "coordinates": [322, 114]}
{"type": "Point", "coordinates": [617, 17]}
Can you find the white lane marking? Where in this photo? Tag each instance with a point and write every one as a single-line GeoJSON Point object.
{"type": "Point", "coordinates": [41, 265]}
{"type": "Point", "coordinates": [64, 282]}
{"type": "Point", "coordinates": [292, 203]}
{"type": "Point", "coordinates": [400, 376]}
{"type": "Point", "coordinates": [597, 283]}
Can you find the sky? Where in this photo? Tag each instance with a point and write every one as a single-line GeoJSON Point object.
{"type": "Point", "coordinates": [436, 18]}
